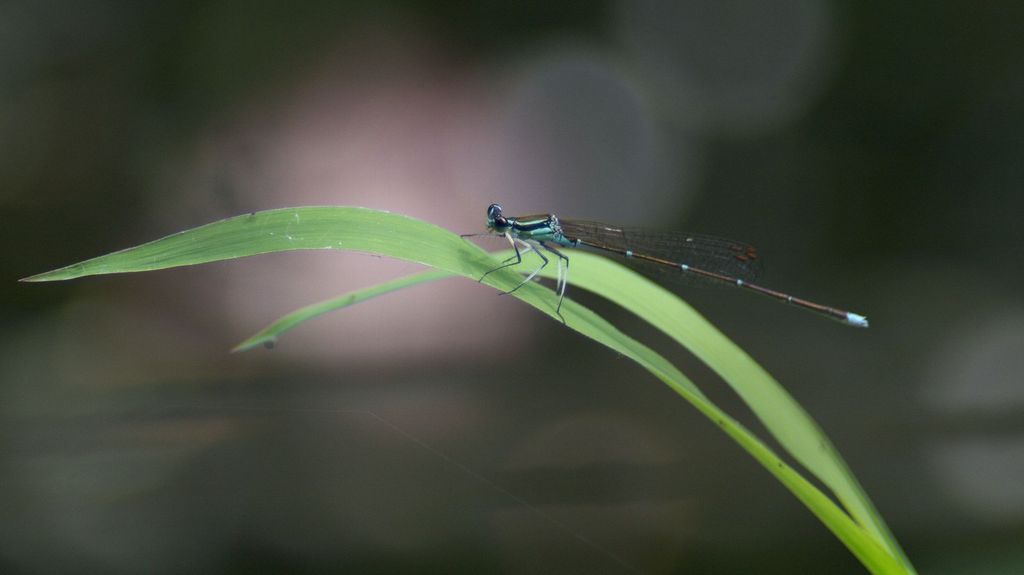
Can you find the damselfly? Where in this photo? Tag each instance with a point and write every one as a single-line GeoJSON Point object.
{"type": "Point", "coordinates": [672, 255]}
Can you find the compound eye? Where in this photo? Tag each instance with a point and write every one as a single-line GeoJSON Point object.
{"type": "Point", "coordinates": [494, 212]}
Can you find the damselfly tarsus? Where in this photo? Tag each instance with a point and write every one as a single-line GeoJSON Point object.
{"type": "Point", "coordinates": [673, 255]}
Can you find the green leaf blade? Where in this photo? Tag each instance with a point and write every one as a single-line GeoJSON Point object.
{"type": "Point", "coordinates": [304, 228]}
{"type": "Point", "coordinates": [785, 419]}
{"type": "Point", "coordinates": [383, 233]}
{"type": "Point", "coordinates": [268, 335]}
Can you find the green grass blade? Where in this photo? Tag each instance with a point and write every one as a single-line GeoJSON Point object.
{"type": "Point", "coordinates": [860, 542]}
{"type": "Point", "coordinates": [268, 335]}
{"type": "Point", "coordinates": [408, 239]}
{"type": "Point", "coordinates": [785, 419]}
{"type": "Point", "coordinates": [305, 228]}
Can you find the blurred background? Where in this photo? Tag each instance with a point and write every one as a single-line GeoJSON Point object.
{"type": "Point", "coordinates": [873, 151]}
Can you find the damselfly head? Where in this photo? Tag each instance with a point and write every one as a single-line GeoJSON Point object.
{"type": "Point", "coordinates": [495, 220]}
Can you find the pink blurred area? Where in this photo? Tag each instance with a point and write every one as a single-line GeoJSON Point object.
{"type": "Point", "coordinates": [384, 120]}
{"type": "Point", "coordinates": [388, 119]}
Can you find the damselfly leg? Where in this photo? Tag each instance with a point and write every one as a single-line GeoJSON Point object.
{"type": "Point", "coordinates": [562, 278]}
{"type": "Point", "coordinates": [515, 259]}
{"type": "Point", "coordinates": [562, 275]}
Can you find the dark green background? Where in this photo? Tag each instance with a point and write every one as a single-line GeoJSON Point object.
{"type": "Point", "coordinates": [897, 189]}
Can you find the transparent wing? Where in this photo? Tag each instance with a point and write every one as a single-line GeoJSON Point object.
{"type": "Point", "coordinates": [731, 258]}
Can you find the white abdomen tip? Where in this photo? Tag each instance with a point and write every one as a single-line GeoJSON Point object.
{"type": "Point", "coordinates": [856, 320]}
